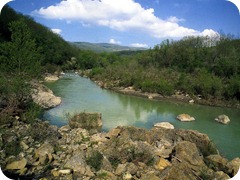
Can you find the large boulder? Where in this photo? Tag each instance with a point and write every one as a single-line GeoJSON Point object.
{"type": "Point", "coordinates": [185, 118]}
{"type": "Point", "coordinates": [43, 96]}
{"type": "Point", "coordinates": [222, 119]}
{"type": "Point", "coordinates": [89, 121]}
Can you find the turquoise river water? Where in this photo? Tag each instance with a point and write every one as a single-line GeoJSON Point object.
{"type": "Point", "coordinates": [81, 94]}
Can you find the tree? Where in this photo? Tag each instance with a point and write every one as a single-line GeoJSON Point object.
{"type": "Point", "coordinates": [19, 63]}
{"type": "Point", "coordinates": [23, 52]}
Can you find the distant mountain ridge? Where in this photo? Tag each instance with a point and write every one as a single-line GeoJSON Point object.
{"type": "Point", "coordinates": [105, 47]}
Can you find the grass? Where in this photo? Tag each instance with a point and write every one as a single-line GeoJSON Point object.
{"type": "Point", "coordinates": [102, 175]}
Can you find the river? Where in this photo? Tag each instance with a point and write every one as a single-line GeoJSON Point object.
{"type": "Point", "coordinates": [81, 94]}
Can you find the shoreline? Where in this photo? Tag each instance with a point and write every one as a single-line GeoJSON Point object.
{"type": "Point", "coordinates": [178, 97]}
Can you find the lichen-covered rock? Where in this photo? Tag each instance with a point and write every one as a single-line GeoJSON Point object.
{"type": "Point", "coordinates": [185, 118]}
{"type": "Point", "coordinates": [222, 119]}
{"type": "Point", "coordinates": [166, 125]}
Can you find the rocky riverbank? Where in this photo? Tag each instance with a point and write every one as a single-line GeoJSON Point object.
{"type": "Point", "coordinates": [43, 151]}
{"type": "Point", "coordinates": [177, 96]}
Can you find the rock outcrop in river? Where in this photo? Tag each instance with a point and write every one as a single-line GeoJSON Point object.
{"type": "Point", "coordinates": [40, 150]}
{"type": "Point", "coordinates": [222, 119]}
{"type": "Point", "coordinates": [43, 96]}
{"type": "Point", "coordinates": [185, 118]}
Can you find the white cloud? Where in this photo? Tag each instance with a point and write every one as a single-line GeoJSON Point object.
{"type": "Point", "coordinates": [113, 41]}
{"type": "Point", "coordinates": [210, 33]}
{"type": "Point", "coordinates": [57, 31]}
{"type": "Point", "coordinates": [140, 45]}
{"type": "Point", "coordinates": [124, 15]}
{"type": "Point", "coordinates": [174, 19]}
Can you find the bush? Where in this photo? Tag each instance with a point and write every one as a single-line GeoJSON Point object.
{"type": "Point", "coordinates": [164, 87]}
{"type": "Point", "coordinates": [33, 111]}
{"type": "Point", "coordinates": [95, 160]}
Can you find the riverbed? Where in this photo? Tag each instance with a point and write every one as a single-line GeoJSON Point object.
{"type": "Point", "coordinates": [81, 94]}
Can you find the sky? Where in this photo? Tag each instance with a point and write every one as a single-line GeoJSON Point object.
{"type": "Point", "coordinates": [138, 23]}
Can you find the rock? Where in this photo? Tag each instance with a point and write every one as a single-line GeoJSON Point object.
{"type": "Point", "coordinates": [132, 168]}
{"type": "Point", "coordinates": [162, 164]}
{"type": "Point", "coordinates": [51, 78]}
{"type": "Point", "coordinates": [221, 175]}
{"type": "Point", "coordinates": [150, 97]}
{"type": "Point", "coordinates": [89, 121]}
{"type": "Point", "coordinates": [65, 171]}
{"type": "Point", "coordinates": [113, 133]}
{"type": "Point", "coordinates": [55, 172]}
{"type": "Point", "coordinates": [179, 171]}
{"type": "Point", "coordinates": [222, 119]}
{"type": "Point", "coordinates": [128, 153]}
{"type": "Point", "coordinates": [127, 176]}
{"type": "Point", "coordinates": [17, 164]}
{"type": "Point", "coordinates": [89, 172]}
{"type": "Point", "coordinates": [76, 163]}
{"type": "Point", "coordinates": [217, 162]}
{"type": "Point", "coordinates": [99, 137]}
{"type": "Point", "coordinates": [150, 176]}
{"type": "Point", "coordinates": [43, 152]}
{"type": "Point", "coordinates": [185, 118]}
{"type": "Point", "coordinates": [22, 171]}
{"type": "Point", "coordinates": [44, 97]}
{"type": "Point", "coordinates": [166, 125]}
{"type": "Point", "coordinates": [121, 168]}
{"type": "Point", "coordinates": [233, 166]}
{"type": "Point", "coordinates": [188, 152]}
{"type": "Point", "coordinates": [191, 101]}
{"type": "Point", "coordinates": [163, 150]}
{"type": "Point", "coordinates": [24, 145]}
{"type": "Point", "coordinates": [103, 174]}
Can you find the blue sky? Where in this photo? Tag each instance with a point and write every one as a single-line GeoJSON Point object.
{"type": "Point", "coordinates": [132, 22]}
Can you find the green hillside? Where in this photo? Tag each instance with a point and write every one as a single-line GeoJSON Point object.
{"type": "Point", "coordinates": [105, 47]}
{"type": "Point", "coordinates": [52, 47]}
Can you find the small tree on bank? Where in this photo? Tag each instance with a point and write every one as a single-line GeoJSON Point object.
{"type": "Point", "coordinates": [19, 63]}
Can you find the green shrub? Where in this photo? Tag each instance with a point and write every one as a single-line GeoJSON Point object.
{"type": "Point", "coordinates": [95, 160]}
{"type": "Point", "coordinates": [33, 111]}
{"type": "Point", "coordinates": [114, 160]}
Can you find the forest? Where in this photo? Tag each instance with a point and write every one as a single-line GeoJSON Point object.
{"type": "Point", "coordinates": [193, 65]}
